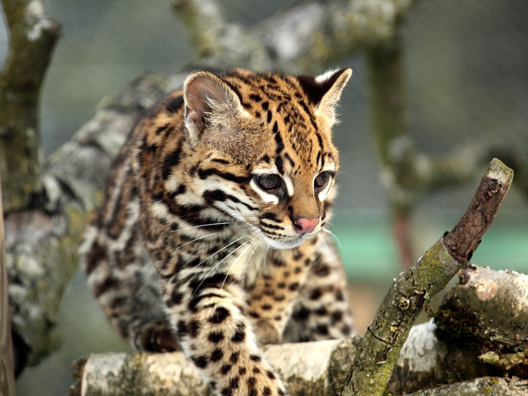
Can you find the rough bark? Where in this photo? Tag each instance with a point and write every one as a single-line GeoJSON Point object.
{"type": "Point", "coordinates": [480, 387]}
{"type": "Point", "coordinates": [42, 242]}
{"type": "Point", "coordinates": [32, 38]}
{"type": "Point", "coordinates": [378, 350]}
{"type": "Point", "coordinates": [7, 366]}
{"type": "Point", "coordinates": [304, 367]}
{"type": "Point", "coordinates": [500, 334]}
{"type": "Point", "coordinates": [315, 368]}
{"type": "Point", "coordinates": [469, 340]}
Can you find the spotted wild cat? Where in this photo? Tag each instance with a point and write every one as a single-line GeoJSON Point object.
{"type": "Point", "coordinates": [210, 236]}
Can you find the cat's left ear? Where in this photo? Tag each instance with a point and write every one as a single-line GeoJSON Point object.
{"type": "Point", "coordinates": [208, 100]}
{"type": "Point", "coordinates": [325, 90]}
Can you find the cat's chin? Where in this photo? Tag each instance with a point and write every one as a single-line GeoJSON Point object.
{"type": "Point", "coordinates": [288, 243]}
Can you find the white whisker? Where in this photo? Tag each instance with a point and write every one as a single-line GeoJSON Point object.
{"type": "Point", "coordinates": [251, 255]}
{"type": "Point", "coordinates": [321, 256]}
{"type": "Point", "coordinates": [228, 272]}
{"type": "Point", "coordinates": [218, 251]}
{"type": "Point", "coordinates": [334, 236]}
{"type": "Point", "coordinates": [203, 225]}
{"type": "Point", "coordinates": [216, 266]}
{"type": "Point", "coordinates": [194, 240]}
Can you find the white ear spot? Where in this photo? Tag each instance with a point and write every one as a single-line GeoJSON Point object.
{"type": "Point", "coordinates": [326, 106]}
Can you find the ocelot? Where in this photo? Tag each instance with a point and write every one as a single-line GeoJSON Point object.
{"type": "Point", "coordinates": [213, 237]}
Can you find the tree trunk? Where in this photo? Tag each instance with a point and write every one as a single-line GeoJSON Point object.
{"type": "Point", "coordinates": [7, 367]}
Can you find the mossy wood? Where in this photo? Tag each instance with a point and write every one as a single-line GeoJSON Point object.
{"type": "Point", "coordinates": [378, 350]}
{"type": "Point", "coordinates": [32, 37]}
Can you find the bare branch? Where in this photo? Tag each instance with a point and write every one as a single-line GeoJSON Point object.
{"type": "Point", "coordinates": [480, 387]}
{"type": "Point", "coordinates": [465, 311]}
{"type": "Point", "coordinates": [465, 237]}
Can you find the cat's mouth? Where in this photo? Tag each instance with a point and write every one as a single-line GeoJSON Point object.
{"type": "Point", "coordinates": [289, 243]}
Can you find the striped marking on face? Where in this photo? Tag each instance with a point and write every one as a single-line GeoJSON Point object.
{"type": "Point", "coordinates": [289, 185]}
{"type": "Point", "coordinates": [268, 198]}
{"type": "Point", "coordinates": [268, 169]}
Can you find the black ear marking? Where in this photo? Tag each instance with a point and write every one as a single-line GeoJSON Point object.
{"type": "Point", "coordinates": [316, 87]}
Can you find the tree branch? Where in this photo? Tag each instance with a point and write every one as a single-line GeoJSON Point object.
{"type": "Point", "coordinates": [32, 39]}
{"type": "Point", "coordinates": [378, 350]}
{"type": "Point", "coordinates": [468, 340]}
{"type": "Point", "coordinates": [465, 311]}
{"type": "Point", "coordinates": [302, 38]}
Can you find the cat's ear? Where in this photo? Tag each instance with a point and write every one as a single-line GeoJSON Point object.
{"type": "Point", "coordinates": [208, 98]}
{"type": "Point", "coordinates": [325, 90]}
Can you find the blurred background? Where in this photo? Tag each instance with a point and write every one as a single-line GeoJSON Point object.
{"type": "Point", "coordinates": [467, 80]}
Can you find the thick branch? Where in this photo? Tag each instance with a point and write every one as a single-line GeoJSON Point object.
{"type": "Point", "coordinates": [316, 368]}
{"type": "Point", "coordinates": [480, 387]}
{"type": "Point", "coordinates": [32, 38]}
{"type": "Point", "coordinates": [378, 350]}
{"type": "Point", "coordinates": [305, 368]}
{"type": "Point", "coordinates": [465, 311]}
{"type": "Point", "coordinates": [7, 367]}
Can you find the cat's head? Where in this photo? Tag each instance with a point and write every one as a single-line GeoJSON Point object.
{"type": "Point", "coordinates": [265, 148]}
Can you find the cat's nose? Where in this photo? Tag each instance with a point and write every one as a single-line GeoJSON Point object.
{"type": "Point", "coordinates": [304, 225]}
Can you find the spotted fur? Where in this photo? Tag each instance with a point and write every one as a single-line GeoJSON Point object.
{"type": "Point", "coordinates": [210, 237]}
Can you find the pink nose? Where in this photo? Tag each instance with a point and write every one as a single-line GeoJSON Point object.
{"type": "Point", "coordinates": [304, 225]}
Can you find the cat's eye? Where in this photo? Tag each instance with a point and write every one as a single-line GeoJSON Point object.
{"type": "Point", "coordinates": [322, 180]}
{"type": "Point", "coordinates": [269, 182]}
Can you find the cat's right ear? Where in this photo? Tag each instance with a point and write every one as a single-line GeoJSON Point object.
{"type": "Point", "coordinates": [208, 99]}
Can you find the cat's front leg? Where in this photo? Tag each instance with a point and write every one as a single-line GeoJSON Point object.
{"type": "Point", "coordinates": [208, 313]}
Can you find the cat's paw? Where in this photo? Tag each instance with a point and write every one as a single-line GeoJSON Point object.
{"type": "Point", "coordinates": [266, 332]}
{"type": "Point", "coordinates": [155, 336]}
